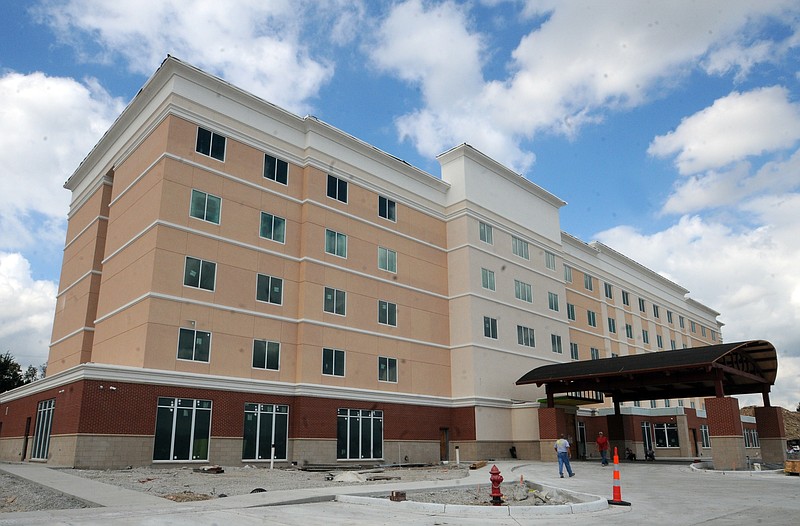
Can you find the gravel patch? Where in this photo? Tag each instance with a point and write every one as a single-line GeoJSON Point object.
{"type": "Point", "coordinates": [514, 494]}
{"type": "Point", "coordinates": [184, 484]}
{"type": "Point", "coordinates": [18, 494]}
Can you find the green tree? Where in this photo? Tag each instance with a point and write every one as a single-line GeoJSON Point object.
{"type": "Point", "coordinates": [31, 375]}
{"type": "Point", "coordinates": [10, 373]}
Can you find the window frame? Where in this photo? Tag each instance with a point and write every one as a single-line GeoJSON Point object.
{"type": "Point", "coordinates": [334, 301]}
{"type": "Point", "coordinates": [271, 281]}
{"type": "Point", "coordinates": [391, 313]}
{"type": "Point", "coordinates": [555, 344]}
{"type": "Point", "coordinates": [272, 220]}
{"type": "Point", "coordinates": [271, 348]}
{"type": "Point", "coordinates": [368, 423]}
{"type": "Point", "coordinates": [488, 279]}
{"type": "Point", "coordinates": [275, 419]}
{"type": "Point", "coordinates": [523, 291]}
{"type": "Point", "coordinates": [201, 271]}
{"type": "Point", "coordinates": [549, 260]}
{"type": "Point", "coordinates": [199, 438]}
{"type": "Point", "coordinates": [574, 351]}
{"type": "Point", "coordinates": [594, 353]}
{"type": "Point", "coordinates": [567, 274]}
{"type": "Point", "coordinates": [337, 359]}
{"type": "Point", "coordinates": [612, 325]}
{"type": "Point", "coordinates": [194, 351]}
{"type": "Point", "coordinates": [211, 144]}
{"type": "Point", "coordinates": [520, 248]}
{"type": "Point", "coordinates": [571, 311]}
{"type": "Point", "coordinates": [552, 301]}
{"type": "Point", "coordinates": [526, 336]}
{"type": "Point", "coordinates": [387, 209]}
{"type": "Point", "coordinates": [279, 169]}
{"type": "Point", "coordinates": [608, 290]}
{"type": "Point", "coordinates": [588, 282]}
{"type": "Point", "coordinates": [591, 318]}
{"type": "Point", "coordinates": [486, 233]}
{"type": "Point", "coordinates": [490, 327]}
{"type": "Point", "coordinates": [335, 243]}
{"type": "Point", "coordinates": [390, 259]}
{"type": "Point", "coordinates": [337, 186]}
{"type": "Point", "coordinates": [205, 212]}
{"type": "Point", "coordinates": [386, 368]}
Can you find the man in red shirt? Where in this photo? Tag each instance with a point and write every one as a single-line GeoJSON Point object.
{"type": "Point", "coordinates": [602, 447]}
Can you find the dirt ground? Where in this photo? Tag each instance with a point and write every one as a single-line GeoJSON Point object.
{"type": "Point", "coordinates": [183, 484]}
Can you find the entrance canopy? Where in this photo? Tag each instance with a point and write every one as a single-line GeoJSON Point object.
{"type": "Point", "coordinates": [716, 370]}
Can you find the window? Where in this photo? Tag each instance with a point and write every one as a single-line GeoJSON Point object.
{"type": "Point", "coordinates": [626, 298]}
{"type": "Point", "coordinates": [332, 362]}
{"type": "Point", "coordinates": [487, 279]}
{"type": "Point", "coordinates": [588, 282]}
{"type": "Point", "coordinates": [703, 331]}
{"type": "Point", "coordinates": [680, 402]}
{"type": "Point", "coordinates": [549, 260]}
{"type": "Point", "coordinates": [265, 425]}
{"type": "Point", "coordinates": [194, 345]}
{"type": "Point", "coordinates": [629, 330]}
{"type": "Point", "coordinates": [485, 232]}
{"type": "Point", "coordinates": [490, 327]}
{"type": "Point", "coordinates": [672, 344]}
{"type": "Point", "coordinates": [522, 291]}
{"type": "Point", "coordinates": [656, 311]}
{"type": "Point", "coordinates": [387, 208]}
{"type": "Point", "coordinates": [570, 311]}
{"type": "Point", "coordinates": [652, 404]}
{"type": "Point", "coordinates": [519, 247]}
{"type": "Point", "coordinates": [335, 300]}
{"type": "Point", "coordinates": [205, 206]}
{"type": "Point", "coordinates": [335, 243]}
{"type": "Point", "coordinates": [595, 353]}
{"type": "Point", "coordinates": [552, 301]}
{"type": "Point", "coordinates": [555, 343]}
{"type": "Point", "coordinates": [666, 435]}
{"type": "Point", "coordinates": [269, 289]}
{"type": "Point", "coordinates": [573, 351]}
{"type": "Point", "coordinates": [337, 188]}
{"type": "Point", "coordinates": [387, 259]}
{"type": "Point", "coordinates": [387, 369]}
{"type": "Point", "coordinates": [750, 438]}
{"type": "Point", "coordinates": [43, 426]}
{"type": "Point", "coordinates": [669, 316]}
{"type": "Point", "coordinates": [387, 313]}
{"type": "Point", "coordinates": [359, 434]}
{"type": "Point", "coordinates": [275, 169]}
{"type": "Point", "coordinates": [694, 326]}
{"type": "Point", "coordinates": [266, 355]}
{"type": "Point", "coordinates": [567, 273]}
{"type": "Point", "coordinates": [273, 227]}
{"type": "Point", "coordinates": [666, 402]}
{"type": "Point", "coordinates": [612, 325]}
{"type": "Point", "coordinates": [659, 341]}
{"type": "Point", "coordinates": [645, 336]}
{"type": "Point", "coordinates": [637, 403]}
{"type": "Point", "coordinates": [210, 144]}
{"type": "Point", "coordinates": [681, 322]}
{"type": "Point", "coordinates": [641, 305]}
{"type": "Point", "coordinates": [183, 429]}
{"type": "Point", "coordinates": [525, 336]}
{"type": "Point", "coordinates": [591, 318]}
{"type": "Point", "coordinates": [713, 336]}
{"type": "Point", "coordinates": [705, 437]}
{"type": "Point", "coordinates": [691, 404]}
{"type": "Point", "coordinates": [199, 274]}
{"type": "Point", "coordinates": [614, 355]}
{"type": "Point", "coordinates": [608, 290]}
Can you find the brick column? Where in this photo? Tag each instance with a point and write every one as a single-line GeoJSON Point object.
{"type": "Point", "coordinates": [552, 423]}
{"type": "Point", "coordinates": [771, 434]}
{"type": "Point", "coordinates": [725, 429]}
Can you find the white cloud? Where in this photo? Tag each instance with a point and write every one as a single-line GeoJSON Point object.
{"type": "Point", "coordinates": [26, 311]}
{"type": "Point", "coordinates": [584, 59]}
{"type": "Point", "coordinates": [746, 273]}
{"type": "Point", "coordinates": [735, 127]}
{"type": "Point", "coordinates": [48, 124]}
{"type": "Point", "coordinates": [256, 45]}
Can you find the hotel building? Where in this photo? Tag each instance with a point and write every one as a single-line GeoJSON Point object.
{"type": "Point", "coordinates": [241, 284]}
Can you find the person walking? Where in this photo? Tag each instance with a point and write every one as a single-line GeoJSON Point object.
{"type": "Point", "coordinates": [563, 450]}
{"type": "Point", "coordinates": [602, 447]}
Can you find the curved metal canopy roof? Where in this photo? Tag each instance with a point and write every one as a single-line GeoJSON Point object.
{"type": "Point", "coordinates": [716, 370]}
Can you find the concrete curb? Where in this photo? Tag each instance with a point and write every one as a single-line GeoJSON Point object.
{"type": "Point", "coordinates": [591, 503]}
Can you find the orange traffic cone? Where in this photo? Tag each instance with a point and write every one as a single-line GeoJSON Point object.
{"type": "Point", "coordinates": [617, 492]}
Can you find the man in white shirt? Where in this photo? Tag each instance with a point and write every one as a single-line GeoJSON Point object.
{"type": "Point", "coordinates": [563, 450]}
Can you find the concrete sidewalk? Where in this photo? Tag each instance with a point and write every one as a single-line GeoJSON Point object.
{"type": "Point", "coordinates": [659, 494]}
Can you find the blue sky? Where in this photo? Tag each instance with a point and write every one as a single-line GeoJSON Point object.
{"type": "Point", "coordinates": [671, 128]}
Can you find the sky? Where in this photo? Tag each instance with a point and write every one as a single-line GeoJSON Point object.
{"type": "Point", "coordinates": [672, 128]}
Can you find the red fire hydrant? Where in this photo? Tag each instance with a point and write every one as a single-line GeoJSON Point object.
{"type": "Point", "coordinates": [496, 478]}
